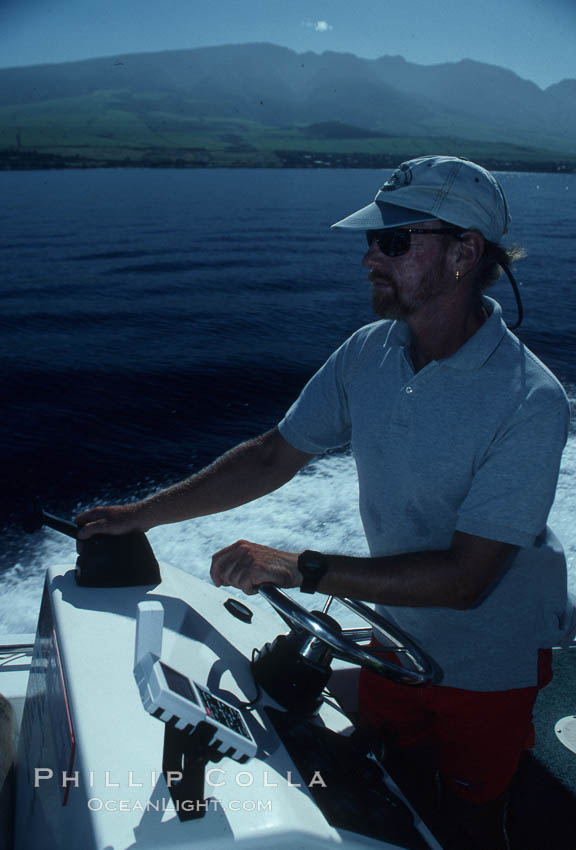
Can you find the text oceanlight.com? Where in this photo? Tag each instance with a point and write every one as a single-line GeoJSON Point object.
{"type": "Point", "coordinates": [97, 804]}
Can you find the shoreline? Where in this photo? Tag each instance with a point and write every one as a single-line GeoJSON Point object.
{"type": "Point", "coordinates": [13, 159]}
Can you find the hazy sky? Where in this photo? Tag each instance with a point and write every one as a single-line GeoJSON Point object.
{"type": "Point", "coordinates": [535, 38]}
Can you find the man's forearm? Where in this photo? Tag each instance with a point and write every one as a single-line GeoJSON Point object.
{"type": "Point", "coordinates": [417, 579]}
{"type": "Point", "coordinates": [456, 577]}
{"type": "Point", "coordinates": [245, 473]}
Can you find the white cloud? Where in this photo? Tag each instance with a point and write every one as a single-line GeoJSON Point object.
{"type": "Point", "coordinates": [318, 26]}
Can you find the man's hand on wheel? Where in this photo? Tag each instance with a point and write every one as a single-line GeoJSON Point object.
{"type": "Point", "coordinates": [248, 565]}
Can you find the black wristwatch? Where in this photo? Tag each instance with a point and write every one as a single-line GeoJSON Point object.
{"type": "Point", "coordinates": [312, 565]}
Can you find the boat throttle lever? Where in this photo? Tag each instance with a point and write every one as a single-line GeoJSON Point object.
{"type": "Point", "coordinates": [124, 560]}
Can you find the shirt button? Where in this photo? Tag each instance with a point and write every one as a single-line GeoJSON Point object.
{"type": "Point", "coordinates": [409, 389]}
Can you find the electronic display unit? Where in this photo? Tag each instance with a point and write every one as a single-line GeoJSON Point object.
{"type": "Point", "coordinates": [173, 698]}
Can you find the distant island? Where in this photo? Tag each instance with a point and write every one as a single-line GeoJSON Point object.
{"type": "Point", "coordinates": [264, 106]}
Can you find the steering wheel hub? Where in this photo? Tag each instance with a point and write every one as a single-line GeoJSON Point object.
{"type": "Point", "coordinates": [417, 667]}
{"type": "Point", "coordinates": [294, 669]}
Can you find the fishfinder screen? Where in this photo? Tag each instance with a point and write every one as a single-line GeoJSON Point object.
{"type": "Point", "coordinates": [178, 683]}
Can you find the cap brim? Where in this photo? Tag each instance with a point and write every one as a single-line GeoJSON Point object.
{"type": "Point", "coordinates": [379, 216]}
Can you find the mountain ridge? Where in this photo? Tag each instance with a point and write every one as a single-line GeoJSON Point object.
{"type": "Point", "coordinates": [149, 100]}
{"type": "Point", "coordinates": [121, 57]}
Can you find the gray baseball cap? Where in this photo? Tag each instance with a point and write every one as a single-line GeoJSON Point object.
{"type": "Point", "coordinates": [436, 187]}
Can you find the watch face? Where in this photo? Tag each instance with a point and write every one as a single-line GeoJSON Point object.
{"type": "Point", "coordinates": [313, 562]}
{"type": "Point", "coordinates": [312, 566]}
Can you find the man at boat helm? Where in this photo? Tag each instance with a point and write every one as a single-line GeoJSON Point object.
{"type": "Point", "coordinates": [457, 431]}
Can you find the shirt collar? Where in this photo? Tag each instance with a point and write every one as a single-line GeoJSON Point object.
{"type": "Point", "coordinates": [475, 351]}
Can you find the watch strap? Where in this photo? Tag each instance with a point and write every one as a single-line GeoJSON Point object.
{"type": "Point", "coordinates": [313, 566]}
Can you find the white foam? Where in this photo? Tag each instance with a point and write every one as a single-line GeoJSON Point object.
{"type": "Point", "coordinates": [318, 509]}
{"type": "Point", "coordinates": [21, 586]}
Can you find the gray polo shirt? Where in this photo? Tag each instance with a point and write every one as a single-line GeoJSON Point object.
{"type": "Point", "coordinates": [472, 443]}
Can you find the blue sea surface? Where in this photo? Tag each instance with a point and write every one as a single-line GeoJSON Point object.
{"type": "Point", "coordinates": [151, 319]}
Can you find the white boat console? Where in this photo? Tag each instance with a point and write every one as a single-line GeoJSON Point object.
{"type": "Point", "coordinates": [96, 770]}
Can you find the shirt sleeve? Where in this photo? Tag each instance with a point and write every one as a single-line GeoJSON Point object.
{"type": "Point", "coordinates": [319, 419]}
{"type": "Point", "coordinates": [514, 487]}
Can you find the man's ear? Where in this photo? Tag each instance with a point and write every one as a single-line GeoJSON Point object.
{"type": "Point", "coordinates": [468, 251]}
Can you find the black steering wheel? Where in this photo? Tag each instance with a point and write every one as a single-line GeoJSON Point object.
{"type": "Point", "coordinates": [423, 668]}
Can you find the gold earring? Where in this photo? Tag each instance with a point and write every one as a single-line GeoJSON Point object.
{"type": "Point", "coordinates": [457, 274]}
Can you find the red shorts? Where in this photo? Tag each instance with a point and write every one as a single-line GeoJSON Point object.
{"type": "Point", "coordinates": [479, 736]}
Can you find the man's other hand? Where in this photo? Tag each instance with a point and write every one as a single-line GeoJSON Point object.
{"type": "Point", "coordinates": [110, 519]}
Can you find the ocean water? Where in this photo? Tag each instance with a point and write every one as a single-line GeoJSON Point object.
{"type": "Point", "coordinates": [151, 319]}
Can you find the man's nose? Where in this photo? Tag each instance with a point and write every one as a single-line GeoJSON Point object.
{"type": "Point", "coordinates": [373, 256]}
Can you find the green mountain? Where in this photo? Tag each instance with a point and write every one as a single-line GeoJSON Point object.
{"type": "Point", "coordinates": [260, 104]}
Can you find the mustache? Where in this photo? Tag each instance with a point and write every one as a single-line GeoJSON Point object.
{"type": "Point", "coordinates": [378, 278]}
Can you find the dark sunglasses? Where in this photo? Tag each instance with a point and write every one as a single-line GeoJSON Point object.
{"type": "Point", "coordinates": [394, 243]}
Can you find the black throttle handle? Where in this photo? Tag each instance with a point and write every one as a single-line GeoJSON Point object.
{"type": "Point", "coordinates": [104, 560]}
